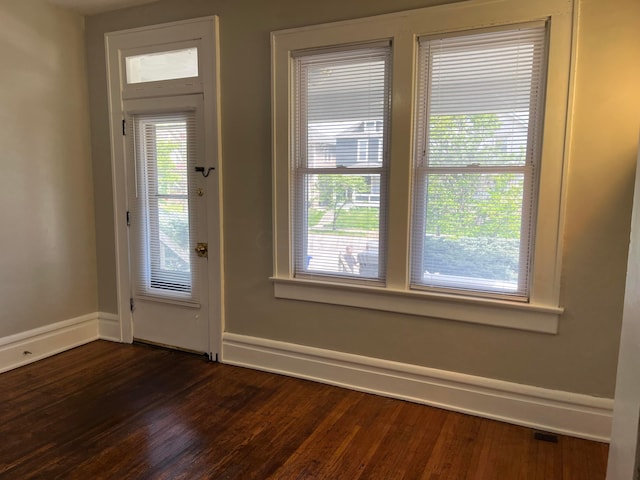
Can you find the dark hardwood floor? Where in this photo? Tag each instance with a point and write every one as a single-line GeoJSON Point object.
{"type": "Point", "coordinates": [106, 411]}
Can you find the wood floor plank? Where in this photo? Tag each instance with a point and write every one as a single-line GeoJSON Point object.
{"type": "Point", "coordinates": [451, 456]}
{"type": "Point", "coordinates": [583, 459]}
{"type": "Point", "coordinates": [114, 411]}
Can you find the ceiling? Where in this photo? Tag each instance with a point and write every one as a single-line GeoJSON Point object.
{"type": "Point", "coordinates": [89, 7]}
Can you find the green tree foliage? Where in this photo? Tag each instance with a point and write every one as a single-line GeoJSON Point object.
{"type": "Point", "coordinates": [171, 160]}
{"type": "Point", "coordinates": [473, 219]}
{"type": "Point", "coordinates": [472, 204]}
{"type": "Point", "coordinates": [336, 191]}
{"type": "Point", "coordinates": [463, 139]}
{"type": "Point", "coordinates": [173, 213]}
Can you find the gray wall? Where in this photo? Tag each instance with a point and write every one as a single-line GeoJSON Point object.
{"type": "Point", "coordinates": [581, 358]}
{"type": "Point", "coordinates": [48, 261]}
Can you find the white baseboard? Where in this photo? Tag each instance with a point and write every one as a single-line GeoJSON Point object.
{"type": "Point", "coordinates": [30, 346]}
{"type": "Point", "coordinates": [556, 411]}
{"type": "Point", "coordinates": [109, 327]}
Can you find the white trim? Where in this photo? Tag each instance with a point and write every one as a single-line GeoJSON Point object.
{"type": "Point", "coordinates": [557, 411]}
{"type": "Point", "coordinates": [484, 311]}
{"type": "Point", "coordinates": [109, 327]}
{"type": "Point", "coordinates": [47, 341]}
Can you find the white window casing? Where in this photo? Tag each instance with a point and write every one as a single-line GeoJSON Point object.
{"type": "Point", "coordinates": [533, 304]}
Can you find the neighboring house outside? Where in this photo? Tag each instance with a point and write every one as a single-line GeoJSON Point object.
{"type": "Point", "coordinates": [349, 144]}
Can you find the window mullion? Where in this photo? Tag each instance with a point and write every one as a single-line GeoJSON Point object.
{"type": "Point", "coordinates": [399, 190]}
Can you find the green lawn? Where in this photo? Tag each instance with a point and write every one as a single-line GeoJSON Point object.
{"type": "Point", "coordinates": [314, 215]}
{"type": "Point", "coordinates": [354, 220]}
{"type": "Point", "coordinates": [359, 218]}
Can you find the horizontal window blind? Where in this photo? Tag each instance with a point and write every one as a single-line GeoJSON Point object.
{"type": "Point", "coordinates": [163, 224]}
{"type": "Point", "coordinates": [341, 104]}
{"type": "Point", "coordinates": [477, 153]}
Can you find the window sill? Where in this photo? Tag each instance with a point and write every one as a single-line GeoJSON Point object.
{"type": "Point", "coordinates": [498, 313]}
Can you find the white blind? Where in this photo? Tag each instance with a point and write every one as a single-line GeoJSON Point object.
{"type": "Point", "coordinates": [478, 125]}
{"type": "Point", "coordinates": [340, 135]}
{"type": "Point", "coordinates": [163, 220]}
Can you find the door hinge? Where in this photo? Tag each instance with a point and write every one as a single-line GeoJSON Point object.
{"type": "Point", "coordinates": [128, 218]}
{"type": "Point", "coordinates": [124, 127]}
{"type": "Point", "coordinates": [131, 304]}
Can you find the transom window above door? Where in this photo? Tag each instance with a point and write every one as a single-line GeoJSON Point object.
{"type": "Point", "coordinates": [158, 66]}
{"type": "Point", "coordinates": [154, 66]}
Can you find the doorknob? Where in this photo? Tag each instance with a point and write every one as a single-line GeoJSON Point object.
{"type": "Point", "coordinates": [202, 249]}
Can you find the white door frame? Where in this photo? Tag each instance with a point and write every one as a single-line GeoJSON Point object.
{"type": "Point", "coordinates": [202, 32]}
{"type": "Point", "coordinates": [624, 448]}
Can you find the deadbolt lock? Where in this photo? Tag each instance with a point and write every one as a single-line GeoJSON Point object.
{"type": "Point", "coordinates": [202, 249]}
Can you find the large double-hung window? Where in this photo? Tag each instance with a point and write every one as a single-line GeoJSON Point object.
{"type": "Point", "coordinates": [418, 161]}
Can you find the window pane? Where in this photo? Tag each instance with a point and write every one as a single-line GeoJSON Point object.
{"type": "Point", "coordinates": [341, 218]}
{"type": "Point", "coordinates": [171, 157]}
{"type": "Point", "coordinates": [341, 111]}
{"type": "Point", "coordinates": [480, 97]}
{"type": "Point", "coordinates": [154, 67]}
{"type": "Point", "coordinates": [478, 139]}
{"type": "Point", "coordinates": [173, 235]}
{"type": "Point", "coordinates": [472, 231]}
{"type": "Point", "coordinates": [164, 223]}
{"type": "Point", "coordinates": [345, 103]}
{"type": "Point", "coordinates": [478, 151]}
{"type": "Point", "coordinates": [166, 146]}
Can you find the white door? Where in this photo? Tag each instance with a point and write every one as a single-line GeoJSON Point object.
{"type": "Point", "coordinates": [165, 124]}
{"type": "Point", "coordinates": [168, 245]}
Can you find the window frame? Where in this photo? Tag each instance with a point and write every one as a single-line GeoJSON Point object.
{"type": "Point", "coordinates": [300, 169]}
{"type": "Point", "coordinates": [146, 187]}
{"type": "Point", "coordinates": [529, 169]}
{"type": "Point", "coordinates": [155, 88]}
{"type": "Point", "coordinates": [542, 312]}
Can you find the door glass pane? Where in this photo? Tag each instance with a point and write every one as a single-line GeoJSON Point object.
{"type": "Point", "coordinates": [162, 225]}
{"type": "Point", "coordinates": [173, 233]}
{"type": "Point", "coordinates": [157, 66]}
